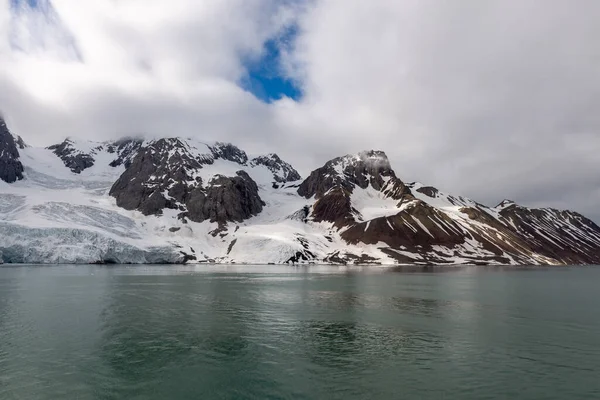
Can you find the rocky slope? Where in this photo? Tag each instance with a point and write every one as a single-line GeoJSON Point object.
{"type": "Point", "coordinates": [80, 156]}
{"type": "Point", "coordinates": [180, 200]}
{"type": "Point", "coordinates": [168, 174]}
{"type": "Point", "coordinates": [11, 168]}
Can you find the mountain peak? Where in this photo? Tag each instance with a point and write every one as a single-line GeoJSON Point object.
{"type": "Point", "coordinates": [11, 168]}
{"type": "Point", "coordinates": [374, 157]}
{"type": "Point", "coordinates": [505, 204]}
{"type": "Point", "coordinates": [371, 159]}
{"type": "Point", "coordinates": [228, 151]}
{"type": "Point", "coordinates": [79, 155]}
{"type": "Point", "coordinates": [282, 171]}
{"type": "Point", "coordinates": [369, 167]}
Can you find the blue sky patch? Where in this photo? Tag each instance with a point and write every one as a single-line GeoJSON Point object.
{"type": "Point", "coordinates": [265, 78]}
{"type": "Point", "coordinates": [15, 4]}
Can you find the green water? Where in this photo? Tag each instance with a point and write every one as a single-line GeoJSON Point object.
{"type": "Point", "coordinates": [154, 332]}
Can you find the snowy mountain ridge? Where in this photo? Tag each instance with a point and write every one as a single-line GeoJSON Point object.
{"type": "Point", "coordinates": [174, 200]}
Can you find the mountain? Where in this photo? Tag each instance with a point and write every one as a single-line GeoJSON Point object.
{"type": "Point", "coordinates": [11, 168]}
{"type": "Point", "coordinates": [174, 200]}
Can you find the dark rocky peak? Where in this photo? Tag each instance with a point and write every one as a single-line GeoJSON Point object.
{"type": "Point", "coordinates": [80, 155]}
{"type": "Point", "coordinates": [350, 171]}
{"type": "Point", "coordinates": [332, 186]}
{"type": "Point", "coordinates": [73, 158]}
{"type": "Point", "coordinates": [159, 176]}
{"type": "Point", "coordinates": [174, 148]}
{"type": "Point", "coordinates": [20, 143]}
{"type": "Point", "coordinates": [11, 168]}
{"type": "Point", "coordinates": [164, 175]}
{"type": "Point", "coordinates": [506, 204]}
{"type": "Point", "coordinates": [282, 171]}
{"type": "Point", "coordinates": [227, 151]}
{"type": "Point", "coordinates": [124, 149]}
{"type": "Point", "coordinates": [168, 151]}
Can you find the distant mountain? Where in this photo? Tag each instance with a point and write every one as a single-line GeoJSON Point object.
{"type": "Point", "coordinates": [11, 169]}
{"type": "Point", "coordinates": [176, 200]}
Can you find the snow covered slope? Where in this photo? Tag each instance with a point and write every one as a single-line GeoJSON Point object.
{"type": "Point", "coordinates": [181, 200]}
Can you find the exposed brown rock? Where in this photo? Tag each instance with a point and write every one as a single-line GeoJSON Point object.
{"type": "Point", "coordinates": [565, 236]}
{"type": "Point", "coordinates": [366, 168]}
{"type": "Point", "coordinates": [334, 207]}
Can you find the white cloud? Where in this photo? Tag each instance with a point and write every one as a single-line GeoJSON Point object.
{"type": "Point", "coordinates": [488, 99]}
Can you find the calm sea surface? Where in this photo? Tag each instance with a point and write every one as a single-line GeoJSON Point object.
{"type": "Point", "coordinates": [167, 332]}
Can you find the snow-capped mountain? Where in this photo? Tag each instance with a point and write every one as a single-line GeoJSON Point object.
{"type": "Point", "coordinates": [181, 200]}
{"type": "Point", "coordinates": [11, 168]}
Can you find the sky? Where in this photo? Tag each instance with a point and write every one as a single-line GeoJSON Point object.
{"type": "Point", "coordinates": [487, 99]}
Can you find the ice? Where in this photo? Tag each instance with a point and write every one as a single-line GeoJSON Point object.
{"type": "Point", "coordinates": [9, 203]}
{"type": "Point", "coordinates": [20, 244]}
{"type": "Point", "coordinates": [88, 216]}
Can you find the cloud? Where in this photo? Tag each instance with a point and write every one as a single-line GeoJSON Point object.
{"type": "Point", "coordinates": [487, 99]}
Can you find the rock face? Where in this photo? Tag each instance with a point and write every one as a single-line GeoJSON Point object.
{"type": "Point", "coordinates": [225, 199]}
{"type": "Point", "coordinates": [125, 150]}
{"type": "Point", "coordinates": [361, 170]}
{"type": "Point", "coordinates": [458, 228]}
{"type": "Point", "coordinates": [159, 176]}
{"type": "Point", "coordinates": [333, 184]}
{"type": "Point", "coordinates": [79, 157]}
{"type": "Point", "coordinates": [282, 171]}
{"type": "Point", "coordinates": [11, 168]}
{"type": "Point", "coordinates": [73, 159]}
{"type": "Point", "coordinates": [227, 151]}
{"type": "Point", "coordinates": [428, 226]}
{"type": "Point", "coordinates": [561, 235]}
{"type": "Point", "coordinates": [166, 174]}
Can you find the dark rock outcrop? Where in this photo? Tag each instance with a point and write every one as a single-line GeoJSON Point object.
{"type": "Point", "coordinates": [225, 199]}
{"type": "Point", "coordinates": [282, 171]}
{"type": "Point", "coordinates": [428, 191]}
{"type": "Point", "coordinates": [361, 170]}
{"type": "Point", "coordinates": [158, 177]}
{"type": "Point", "coordinates": [73, 159]}
{"type": "Point", "coordinates": [334, 206]}
{"type": "Point", "coordinates": [333, 184]}
{"type": "Point", "coordinates": [11, 168]}
{"type": "Point", "coordinates": [227, 151]}
{"type": "Point", "coordinates": [164, 175]}
{"type": "Point", "coordinates": [125, 150]}
{"type": "Point", "coordinates": [78, 160]}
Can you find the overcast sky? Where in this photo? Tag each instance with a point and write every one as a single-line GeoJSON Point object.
{"type": "Point", "coordinates": [489, 99]}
